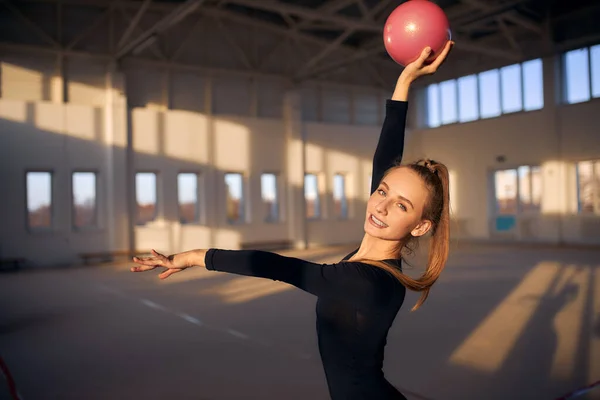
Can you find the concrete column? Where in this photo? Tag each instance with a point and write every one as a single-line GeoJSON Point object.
{"type": "Point", "coordinates": [118, 181]}
{"type": "Point", "coordinates": [295, 169]}
{"type": "Point", "coordinates": [553, 99]}
{"type": "Point", "coordinates": [167, 96]}
{"type": "Point", "coordinates": [59, 85]}
{"type": "Point", "coordinates": [212, 207]}
{"type": "Point", "coordinates": [254, 90]}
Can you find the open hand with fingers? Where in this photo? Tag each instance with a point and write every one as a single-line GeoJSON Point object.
{"type": "Point", "coordinates": [418, 68]}
{"type": "Point", "coordinates": [174, 263]}
{"type": "Point", "coordinates": [421, 67]}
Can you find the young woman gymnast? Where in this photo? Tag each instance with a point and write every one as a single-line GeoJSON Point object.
{"type": "Point", "coordinates": [359, 297]}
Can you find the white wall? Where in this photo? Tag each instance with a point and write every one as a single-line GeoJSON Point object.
{"type": "Point", "coordinates": [554, 138]}
{"type": "Point", "coordinates": [79, 115]}
{"type": "Point", "coordinates": [148, 118]}
{"type": "Point", "coordinates": [57, 138]}
{"type": "Point", "coordinates": [340, 149]}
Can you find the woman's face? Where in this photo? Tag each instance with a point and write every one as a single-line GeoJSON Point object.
{"type": "Point", "coordinates": [395, 209]}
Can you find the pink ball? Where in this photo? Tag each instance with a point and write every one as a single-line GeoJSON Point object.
{"type": "Point", "coordinates": [411, 27]}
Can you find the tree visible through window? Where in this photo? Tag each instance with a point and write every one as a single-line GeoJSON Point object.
{"type": "Point", "coordinates": [39, 199]}
{"type": "Point", "coordinates": [340, 202]}
{"type": "Point", "coordinates": [518, 190]}
{"type": "Point", "coordinates": [84, 199]}
{"type": "Point", "coordinates": [588, 186]}
{"type": "Point", "coordinates": [269, 197]}
{"type": "Point", "coordinates": [506, 192]}
{"type": "Point", "coordinates": [187, 197]}
{"type": "Point", "coordinates": [235, 197]}
{"type": "Point", "coordinates": [311, 196]}
{"type": "Point", "coordinates": [146, 197]}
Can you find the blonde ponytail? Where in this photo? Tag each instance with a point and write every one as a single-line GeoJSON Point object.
{"type": "Point", "coordinates": [437, 210]}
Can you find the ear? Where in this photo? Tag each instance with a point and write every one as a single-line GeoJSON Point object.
{"type": "Point", "coordinates": [422, 228]}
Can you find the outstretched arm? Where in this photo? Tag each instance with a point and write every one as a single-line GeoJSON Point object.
{"type": "Point", "coordinates": [390, 147]}
{"type": "Point", "coordinates": [342, 280]}
{"type": "Point", "coordinates": [350, 281]}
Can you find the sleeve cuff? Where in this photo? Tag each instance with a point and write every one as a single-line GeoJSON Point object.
{"type": "Point", "coordinates": [395, 104]}
{"type": "Point", "coordinates": [208, 259]}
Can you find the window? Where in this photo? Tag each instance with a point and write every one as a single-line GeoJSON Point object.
{"type": "Point", "coordinates": [187, 197]}
{"type": "Point", "coordinates": [489, 93]}
{"type": "Point", "coordinates": [517, 87]}
{"type": "Point", "coordinates": [146, 197]}
{"type": "Point", "coordinates": [235, 198]}
{"type": "Point", "coordinates": [268, 184]}
{"type": "Point", "coordinates": [533, 85]}
{"type": "Point", "coordinates": [595, 70]}
{"type": "Point", "coordinates": [84, 199]}
{"type": "Point", "coordinates": [530, 188]}
{"type": "Point", "coordinates": [518, 190]}
{"type": "Point", "coordinates": [577, 76]}
{"type": "Point", "coordinates": [512, 91]}
{"type": "Point", "coordinates": [340, 202]}
{"type": "Point", "coordinates": [448, 100]}
{"type": "Point", "coordinates": [588, 186]}
{"type": "Point", "coordinates": [506, 192]}
{"type": "Point", "coordinates": [433, 106]}
{"type": "Point", "coordinates": [467, 99]}
{"type": "Point", "coordinates": [582, 74]}
{"type": "Point", "coordinates": [39, 199]}
{"type": "Point", "coordinates": [311, 196]}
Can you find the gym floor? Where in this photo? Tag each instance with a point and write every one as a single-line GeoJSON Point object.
{"type": "Point", "coordinates": [502, 323]}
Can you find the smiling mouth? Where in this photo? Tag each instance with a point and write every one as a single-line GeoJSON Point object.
{"type": "Point", "coordinates": [375, 222]}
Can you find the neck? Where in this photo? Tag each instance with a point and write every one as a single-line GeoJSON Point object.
{"type": "Point", "coordinates": [376, 249]}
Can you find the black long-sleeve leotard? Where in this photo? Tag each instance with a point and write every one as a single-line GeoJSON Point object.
{"type": "Point", "coordinates": [357, 302]}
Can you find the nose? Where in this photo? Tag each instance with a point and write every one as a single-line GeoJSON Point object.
{"type": "Point", "coordinates": [381, 207]}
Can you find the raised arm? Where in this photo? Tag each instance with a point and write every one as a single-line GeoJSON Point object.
{"type": "Point", "coordinates": [390, 147]}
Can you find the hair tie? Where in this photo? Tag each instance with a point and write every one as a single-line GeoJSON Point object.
{"type": "Point", "coordinates": [430, 165]}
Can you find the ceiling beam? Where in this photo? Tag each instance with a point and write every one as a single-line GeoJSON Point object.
{"type": "Point", "coordinates": [89, 29]}
{"type": "Point", "coordinates": [150, 43]}
{"type": "Point", "coordinates": [33, 26]}
{"type": "Point", "coordinates": [340, 39]}
{"type": "Point", "coordinates": [184, 41]}
{"type": "Point", "coordinates": [212, 11]}
{"type": "Point", "coordinates": [508, 35]}
{"type": "Point", "coordinates": [309, 14]}
{"type": "Point", "coordinates": [461, 44]}
{"type": "Point", "coordinates": [173, 17]}
{"type": "Point", "coordinates": [352, 54]}
{"type": "Point", "coordinates": [510, 15]}
{"type": "Point", "coordinates": [328, 7]}
{"type": "Point", "coordinates": [577, 13]}
{"type": "Point", "coordinates": [133, 24]}
{"type": "Point", "coordinates": [490, 12]}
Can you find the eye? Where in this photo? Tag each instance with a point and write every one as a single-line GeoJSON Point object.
{"type": "Point", "coordinates": [402, 207]}
{"type": "Point", "coordinates": [381, 192]}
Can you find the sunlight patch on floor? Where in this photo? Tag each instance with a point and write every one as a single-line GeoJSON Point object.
{"type": "Point", "coordinates": [570, 296]}
{"type": "Point", "coordinates": [191, 274]}
{"type": "Point", "coordinates": [491, 343]}
{"type": "Point", "coordinates": [244, 289]}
